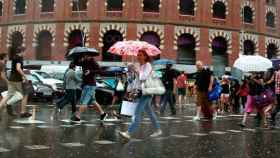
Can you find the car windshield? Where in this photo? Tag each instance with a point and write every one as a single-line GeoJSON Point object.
{"type": "Point", "coordinates": [32, 79]}
{"type": "Point", "coordinates": [43, 74]}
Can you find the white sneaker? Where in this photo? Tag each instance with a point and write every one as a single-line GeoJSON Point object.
{"type": "Point", "coordinates": [196, 118]}
{"type": "Point", "coordinates": [125, 135]}
{"type": "Point", "coordinates": [156, 133]}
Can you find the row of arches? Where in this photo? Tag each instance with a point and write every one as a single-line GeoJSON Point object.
{"type": "Point", "coordinates": [186, 43]}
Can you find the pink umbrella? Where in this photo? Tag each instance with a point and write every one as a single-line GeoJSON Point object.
{"type": "Point", "coordinates": [131, 48]}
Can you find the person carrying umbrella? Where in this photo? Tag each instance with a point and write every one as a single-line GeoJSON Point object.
{"type": "Point", "coordinates": [90, 69]}
{"type": "Point", "coordinates": [144, 101]}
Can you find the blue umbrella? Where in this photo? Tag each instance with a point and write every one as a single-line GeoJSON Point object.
{"type": "Point", "coordinates": [164, 62]}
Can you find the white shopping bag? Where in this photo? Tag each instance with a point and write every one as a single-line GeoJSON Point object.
{"type": "Point", "coordinates": [128, 108]}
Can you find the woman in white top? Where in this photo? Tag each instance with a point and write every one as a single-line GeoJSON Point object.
{"type": "Point", "coordinates": [144, 101]}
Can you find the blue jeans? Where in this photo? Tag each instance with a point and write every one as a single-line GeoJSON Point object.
{"type": "Point", "coordinates": [144, 104]}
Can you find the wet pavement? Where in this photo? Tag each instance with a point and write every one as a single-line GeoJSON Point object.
{"type": "Point", "coordinates": [51, 135]}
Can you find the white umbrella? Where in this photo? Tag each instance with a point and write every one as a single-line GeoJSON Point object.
{"type": "Point", "coordinates": [252, 63]}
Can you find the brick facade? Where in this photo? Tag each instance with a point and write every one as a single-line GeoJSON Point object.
{"type": "Point", "coordinates": [132, 22]}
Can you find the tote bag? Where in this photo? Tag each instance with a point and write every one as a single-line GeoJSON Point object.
{"type": "Point", "coordinates": [120, 86]}
{"type": "Point", "coordinates": [128, 108]}
{"type": "Point", "coordinates": [153, 85]}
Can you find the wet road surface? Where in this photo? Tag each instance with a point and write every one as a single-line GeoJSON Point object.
{"type": "Point", "coordinates": [51, 135]}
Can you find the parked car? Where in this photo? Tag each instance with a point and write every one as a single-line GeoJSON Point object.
{"type": "Point", "coordinates": [41, 91]}
{"type": "Point", "coordinates": [45, 78]}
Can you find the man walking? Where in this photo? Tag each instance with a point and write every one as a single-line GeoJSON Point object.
{"type": "Point", "coordinates": [277, 92]}
{"type": "Point", "coordinates": [90, 69]}
{"type": "Point", "coordinates": [203, 85]}
{"type": "Point", "coordinates": [169, 81]}
{"type": "Point", "coordinates": [3, 79]}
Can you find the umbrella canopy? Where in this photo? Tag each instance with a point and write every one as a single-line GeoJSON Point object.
{"type": "Point", "coordinates": [252, 63]}
{"type": "Point", "coordinates": [164, 62]}
{"type": "Point", "coordinates": [80, 51]}
{"type": "Point", "coordinates": [131, 48]}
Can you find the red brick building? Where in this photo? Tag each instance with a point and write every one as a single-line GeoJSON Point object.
{"type": "Point", "coordinates": [214, 31]}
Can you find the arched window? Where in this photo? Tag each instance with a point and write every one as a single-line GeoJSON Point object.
{"type": "Point", "coordinates": [151, 5]}
{"type": "Point", "coordinates": [271, 51]}
{"type": "Point", "coordinates": [47, 5]}
{"type": "Point", "coordinates": [79, 5]}
{"type": "Point", "coordinates": [186, 49]}
{"type": "Point", "coordinates": [76, 38]}
{"type": "Point", "coordinates": [270, 19]}
{"type": "Point", "coordinates": [109, 39]}
{"type": "Point", "coordinates": [1, 8]}
{"type": "Point", "coordinates": [249, 47]}
{"type": "Point", "coordinates": [247, 14]}
{"type": "Point", "coordinates": [219, 55]}
{"type": "Point", "coordinates": [187, 7]}
{"type": "Point", "coordinates": [219, 10]}
{"type": "Point", "coordinates": [20, 6]}
{"type": "Point", "coordinates": [16, 42]}
{"type": "Point", "coordinates": [44, 48]}
{"type": "Point", "coordinates": [114, 5]}
{"type": "Point", "coordinates": [152, 38]}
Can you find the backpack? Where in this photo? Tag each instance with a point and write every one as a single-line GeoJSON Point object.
{"type": "Point", "coordinates": [216, 91]}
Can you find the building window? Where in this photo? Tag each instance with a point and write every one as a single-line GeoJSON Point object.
{"type": "Point", "coordinates": [219, 10]}
{"type": "Point", "coordinates": [151, 5]}
{"type": "Point", "coordinates": [47, 5]}
{"type": "Point", "coordinates": [248, 15]}
{"type": "Point", "coordinates": [270, 19]}
{"type": "Point", "coordinates": [186, 7]}
{"type": "Point", "coordinates": [20, 6]}
{"type": "Point", "coordinates": [270, 2]}
{"type": "Point", "coordinates": [249, 47]}
{"type": "Point", "coordinates": [1, 8]}
{"type": "Point", "coordinates": [79, 5]}
{"type": "Point", "coordinates": [114, 5]}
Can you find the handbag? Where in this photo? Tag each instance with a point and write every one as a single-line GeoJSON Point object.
{"type": "Point", "coordinates": [264, 99]}
{"type": "Point", "coordinates": [120, 86]}
{"type": "Point", "coordinates": [216, 92]}
{"type": "Point", "coordinates": [27, 87]}
{"type": "Point", "coordinates": [128, 108]}
{"type": "Point", "coordinates": [153, 85]}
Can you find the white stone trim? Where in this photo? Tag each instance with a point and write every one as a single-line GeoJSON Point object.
{"type": "Point", "coordinates": [158, 29]}
{"type": "Point", "coordinates": [105, 27]}
{"type": "Point", "coordinates": [180, 30]}
{"type": "Point", "coordinates": [16, 28]}
{"type": "Point", "coordinates": [227, 35]}
{"type": "Point", "coordinates": [252, 37]}
{"type": "Point", "coordinates": [248, 4]}
{"type": "Point", "coordinates": [223, 1]}
{"type": "Point", "coordinates": [38, 28]}
{"type": "Point", "coordinates": [54, 5]}
{"type": "Point", "coordinates": [271, 40]}
{"type": "Point", "coordinates": [195, 5]}
{"type": "Point", "coordinates": [83, 27]}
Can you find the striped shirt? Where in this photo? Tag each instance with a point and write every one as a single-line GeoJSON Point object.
{"type": "Point", "coordinates": [277, 82]}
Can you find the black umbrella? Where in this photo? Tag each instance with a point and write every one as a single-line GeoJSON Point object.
{"type": "Point", "coordinates": [78, 52]}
